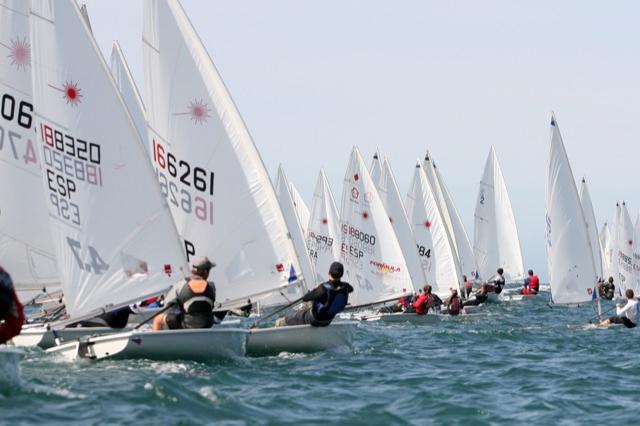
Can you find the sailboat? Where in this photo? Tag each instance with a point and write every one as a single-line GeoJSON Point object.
{"type": "Point", "coordinates": [435, 246]}
{"type": "Point", "coordinates": [496, 243]}
{"type": "Point", "coordinates": [26, 248]}
{"type": "Point", "coordinates": [590, 216]}
{"type": "Point", "coordinates": [373, 260]}
{"type": "Point", "coordinates": [636, 252]}
{"type": "Point", "coordinates": [302, 210]}
{"type": "Point", "coordinates": [624, 252]}
{"type": "Point", "coordinates": [115, 242]}
{"type": "Point", "coordinates": [292, 220]}
{"type": "Point", "coordinates": [218, 189]}
{"type": "Point", "coordinates": [452, 220]}
{"type": "Point", "coordinates": [323, 230]}
{"type": "Point", "coordinates": [570, 262]}
{"type": "Point", "coordinates": [605, 243]}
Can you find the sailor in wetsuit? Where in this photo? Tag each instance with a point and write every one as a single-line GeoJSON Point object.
{"type": "Point", "coordinates": [496, 283]}
{"type": "Point", "coordinates": [10, 309]}
{"type": "Point", "coordinates": [327, 300]}
{"type": "Point", "coordinates": [194, 298]}
{"type": "Point", "coordinates": [480, 297]}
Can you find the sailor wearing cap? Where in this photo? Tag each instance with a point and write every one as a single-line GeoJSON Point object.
{"type": "Point", "coordinates": [194, 298]}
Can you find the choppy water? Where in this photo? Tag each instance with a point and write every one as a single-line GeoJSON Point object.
{"type": "Point", "coordinates": [518, 362]}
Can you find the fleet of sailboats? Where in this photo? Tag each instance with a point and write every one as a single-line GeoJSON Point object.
{"type": "Point", "coordinates": [75, 133]}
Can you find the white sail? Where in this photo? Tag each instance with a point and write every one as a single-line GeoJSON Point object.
{"type": "Point", "coordinates": [323, 232]}
{"type": "Point", "coordinates": [590, 216]}
{"type": "Point", "coordinates": [372, 256]}
{"type": "Point", "coordinates": [219, 192]}
{"type": "Point", "coordinates": [569, 258]}
{"type": "Point", "coordinates": [613, 247]}
{"type": "Point", "coordinates": [295, 229]}
{"type": "Point", "coordinates": [436, 250]}
{"type": "Point", "coordinates": [624, 252]}
{"type": "Point", "coordinates": [26, 248]}
{"type": "Point", "coordinates": [466, 257]}
{"type": "Point", "coordinates": [375, 170]}
{"type": "Point", "coordinates": [392, 202]}
{"type": "Point", "coordinates": [495, 241]}
{"type": "Point", "coordinates": [115, 241]}
{"type": "Point", "coordinates": [302, 210]}
{"type": "Point", "coordinates": [605, 243]}
{"type": "Point", "coordinates": [128, 90]}
{"type": "Point", "coordinates": [636, 253]}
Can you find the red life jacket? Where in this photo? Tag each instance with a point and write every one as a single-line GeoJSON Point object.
{"type": "Point", "coordinates": [421, 305]}
{"type": "Point", "coordinates": [534, 284]}
{"type": "Point", "coordinates": [454, 306]}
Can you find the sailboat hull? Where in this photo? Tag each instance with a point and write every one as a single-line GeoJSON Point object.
{"type": "Point", "coordinates": [197, 344]}
{"type": "Point", "coordinates": [412, 318]}
{"type": "Point", "coordinates": [299, 338]}
{"type": "Point", "coordinates": [44, 338]}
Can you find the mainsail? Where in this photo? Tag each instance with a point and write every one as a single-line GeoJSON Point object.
{"type": "Point", "coordinates": [569, 257]}
{"type": "Point", "coordinates": [605, 243]}
{"type": "Point", "coordinates": [590, 216]}
{"type": "Point", "coordinates": [436, 250]}
{"type": "Point", "coordinates": [382, 176]}
{"type": "Point", "coordinates": [302, 210]}
{"type": "Point", "coordinates": [209, 169]}
{"type": "Point", "coordinates": [295, 229]}
{"type": "Point", "coordinates": [129, 91]}
{"type": "Point", "coordinates": [323, 231]}
{"type": "Point", "coordinates": [636, 253]}
{"type": "Point", "coordinates": [370, 250]}
{"type": "Point", "coordinates": [624, 251]}
{"type": "Point", "coordinates": [115, 242]}
{"type": "Point", "coordinates": [26, 248]}
{"type": "Point", "coordinates": [495, 242]}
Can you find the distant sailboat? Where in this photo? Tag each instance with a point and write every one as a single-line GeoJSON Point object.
{"type": "Point", "coordinates": [452, 219]}
{"type": "Point", "coordinates": [496, 243]}
{"type": "Point", "coordinates": [323, 231]}
{"type": "Point", "coordinates": [590, 216]}
{"type": "Point", "coordinates": [382, 176]}
{"type": "Point", "coordinates": [605, 242]}
{"type": "Point", "coordinates": [636, 253]}
{"type": "Point", "coordinates": [302, 210]}
{"type": "Point", "coordinates": [435, 247]}
{"type": "Point", "coordinates": [624, 252]}
{"type": "Point", "coordinates": [570, 262]}
{"type": "Point", "coordinates": [373, 259]}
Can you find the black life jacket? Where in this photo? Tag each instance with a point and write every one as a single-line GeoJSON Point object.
{"type": "Point", "coordinates": [197, 298]}
{"type": "Point", "coordinates": [335, 302]}
{"type": "Point", "coordinates": [6, 293]}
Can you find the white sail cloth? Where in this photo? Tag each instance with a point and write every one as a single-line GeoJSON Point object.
{"type": "Point", "coordinates": [569, 257]}
{"type": "Point", "coordinates": [115, 242]}
{"type": "Point", "coordinates": [382, 176]}
{"type": "Point", "coordinates": [26, 248]}
{"type": "Point", "coordinates": [636, 253]}
{"type": "Point", "coordinates": [302, 210]}
{"type": "Point", "coordinates": [495, 242]}
{"type": "Point", "coordinates": [373, 260]}
{"type": "Point", "coordinates": [323, 231]}
{"type": "Point", "coordinates": [592, 228]}
{"type": "Point", "coordinates": [624, 252]}
{"type": "Point", "coordinates": [605, 243]}
{"type": "Point", "coordinates": [435, 247]}
{"type": "Point", "coordinates": [219, 192]}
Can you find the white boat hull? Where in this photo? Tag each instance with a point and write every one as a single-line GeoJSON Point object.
{"type": "Point", "coordinates": [9, 366]}
{"type": "Point", "coordinates": [195, 344]}
{"type": "Point", "coordinates": [299, 338]}
{"type": "Point", "coordinates": [44, 338]}
{"type": "Point", "coordinates": [412, 318]}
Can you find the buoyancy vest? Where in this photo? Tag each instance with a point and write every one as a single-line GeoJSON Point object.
{"type": "Point", "coordinates": [334, 303]}
{"type": "Point", "coordinates": [454, 306]}
{"type": "Point", "coordinates": [534, 283]}
{"type": "Point", "coordinates": [197, 297]}
{"type": "Point", "coordinates": [422, 304]}
{"type": "Point", "coordinates": [6, 293]}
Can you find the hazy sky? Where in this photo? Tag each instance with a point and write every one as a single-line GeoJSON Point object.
{"type": "Point", "coordinates": [312, 79]}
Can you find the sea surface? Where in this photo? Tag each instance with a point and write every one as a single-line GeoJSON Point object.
{"type": "Point", "coordinates": [512, 363]}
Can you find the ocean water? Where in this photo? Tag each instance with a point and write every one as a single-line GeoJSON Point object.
{"type": "Point", "coordinates": [512, 363]}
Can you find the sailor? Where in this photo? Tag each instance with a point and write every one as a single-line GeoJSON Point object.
{"type": "Point", "coordinates": [194, 297]}
{"type": "Point", "coordinates": [468, 287]}
{"type": "Point", "coordinates": [453, 303]}
{"type": "Point", "coordinates": [327, 300]}
{"type": "Point", "coordinates": [531, 284]}
{"type": "Point", "coordinates": [607, 289]}
{"type": "Point", "coordinates": [627, 315]}
{"type": "Point", "coordinates": [423, 302]}
{"type": "Point", "coordinates": [496, 283]}
{"type": "Point", "coordinates": [11, 312]}
{"type": "Point", "coordinates": [480, 297]}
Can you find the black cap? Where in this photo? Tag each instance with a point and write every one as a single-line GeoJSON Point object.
{"type": "Point", "coordinates": [336, 270]}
